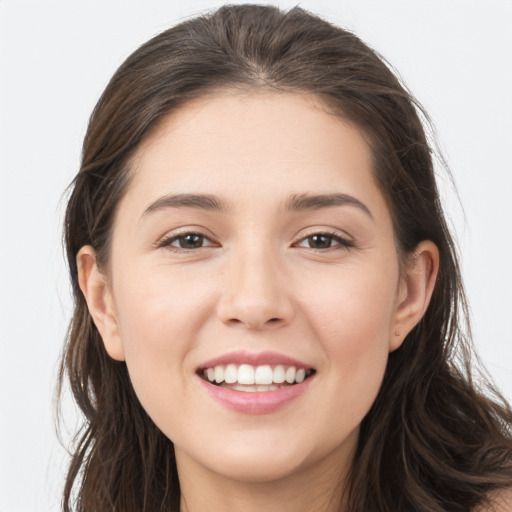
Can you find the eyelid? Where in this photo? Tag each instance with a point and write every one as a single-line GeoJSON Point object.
{"type": "Point", "coordinates": [344, 241]}
{"type": "Point", "coordinates": [166, 240]}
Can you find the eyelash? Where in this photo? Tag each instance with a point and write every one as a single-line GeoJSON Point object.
{"type": "Point", "coordinates": [341, 242]}
{"type": "Point", "coordinates": [168, 241]}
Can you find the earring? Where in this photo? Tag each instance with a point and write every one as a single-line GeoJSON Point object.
{"type": "Point", "coordinates": [397, 333]}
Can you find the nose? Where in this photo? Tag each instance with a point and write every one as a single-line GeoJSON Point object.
{"type": "Point", "coordinates": [255, 294]}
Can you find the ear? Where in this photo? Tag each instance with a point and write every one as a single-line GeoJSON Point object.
{"type": "Point", "coordinates": [99, 300]}
{"type": "Point", "coordinates": [415, 290]}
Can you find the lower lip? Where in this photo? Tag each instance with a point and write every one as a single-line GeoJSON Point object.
{"type": "Point", "coordinates": [257, 402]}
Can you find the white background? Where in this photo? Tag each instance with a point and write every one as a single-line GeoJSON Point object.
{"type": "Point", "coordinates": [55, 59]}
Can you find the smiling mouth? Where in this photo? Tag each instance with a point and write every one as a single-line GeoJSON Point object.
{"type": "Point", "coordinates": [248, 378]}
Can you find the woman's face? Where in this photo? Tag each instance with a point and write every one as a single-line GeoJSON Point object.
{"type": "Point", "coordinates": [252, 242]}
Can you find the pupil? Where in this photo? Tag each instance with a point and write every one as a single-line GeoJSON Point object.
{"type": "Point", "coordinates": [191, 241]}
{"type": "Point", "coordinates": [320, 241]}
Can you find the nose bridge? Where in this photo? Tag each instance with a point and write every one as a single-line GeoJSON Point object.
{"type": "Point", "coordinates": [254, 292]}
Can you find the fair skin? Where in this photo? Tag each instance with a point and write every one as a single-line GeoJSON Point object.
{"type": "Point", "coordinates": [260, 272]}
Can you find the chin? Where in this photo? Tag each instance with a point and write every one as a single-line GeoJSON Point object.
{"type": "Point", "coordinates": [258, 467]}
{"type": "Point", "coordinates": [258, 457]}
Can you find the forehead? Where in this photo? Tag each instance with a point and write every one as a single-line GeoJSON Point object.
{"type": "Point", "coordinates": [264, 145]}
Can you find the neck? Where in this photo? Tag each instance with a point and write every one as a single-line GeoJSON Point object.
{"type": "Point", "coordinates": [319, 487]}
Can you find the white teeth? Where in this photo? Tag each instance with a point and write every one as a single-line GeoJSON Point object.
{"type": "Point", "coordinates": [247, 389]}
{"type": "Point", "coordinates": [251, 389]}
{"type": "Point", "coordinates": [279, 374]}
{"type": "Point", "coordinates": [263, 376]}
{"type": "Point", "coordinates": [300, 375]}
{"type": "Point", "coordinates": [231, 374]}
{"type": "Point", "coordinates": [290, 375]}
{"type": "Point", "coordinates": [245, 374]}
{"type": "Point", "coordinates": [219, 374]}
{"type": "Point", "coordinates": [266, 388]}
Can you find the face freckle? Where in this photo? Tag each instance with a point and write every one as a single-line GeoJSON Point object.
{"type": "Point", "coordinates": [253, 226]}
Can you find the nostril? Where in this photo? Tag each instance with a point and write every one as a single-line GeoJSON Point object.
{"type": "Point", "coordinates": [254, 323]}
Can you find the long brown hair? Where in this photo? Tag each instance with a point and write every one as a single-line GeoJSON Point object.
{"type": "Point", "coordinates": [431, 441]}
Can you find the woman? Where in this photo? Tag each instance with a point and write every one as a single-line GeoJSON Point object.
{"type": "Point", "coordinates": [268, 301]}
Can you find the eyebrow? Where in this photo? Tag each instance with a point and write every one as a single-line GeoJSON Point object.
{"type": "Point", "coordinates": [295, 203]}
{"type": "Point", "coordinates": [305, 202]}
{"type": "Point", "coordinates": [198, 201]}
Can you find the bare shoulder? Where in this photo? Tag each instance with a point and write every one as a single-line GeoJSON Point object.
{"type": "Point", "coordinates": [499, 501]}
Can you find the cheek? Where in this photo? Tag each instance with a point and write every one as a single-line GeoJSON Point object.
{"type": "Point", "coordinates": [353, 310]}
{"type": "Point", "coordinates": [160, 311]}
{"type": "Point", "coordinates": [352, 321]}
{"type": "Point", "coordinates": [159, 317]}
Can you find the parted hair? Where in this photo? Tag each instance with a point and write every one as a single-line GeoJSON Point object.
{"type": "Point", "coordinates": [437, 438]}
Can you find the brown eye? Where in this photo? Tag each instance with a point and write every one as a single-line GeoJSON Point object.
{"type": "Point", "coordinates": [323, 241]}
{"type": "Point", "coordinates": [187, 242]}
{"type": "Point", "coordinates": [320, 241]}
{"type": "Point", "coordinates": [191, 241]}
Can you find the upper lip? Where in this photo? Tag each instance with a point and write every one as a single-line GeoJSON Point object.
{"type": "Point", "coordinates": [254, 359]}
